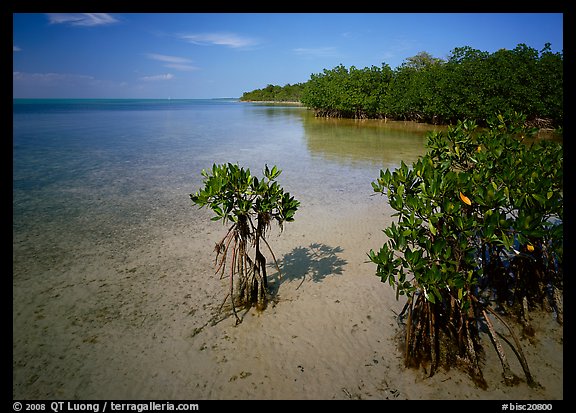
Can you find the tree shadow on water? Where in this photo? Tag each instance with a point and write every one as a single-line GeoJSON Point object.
{"type": "Point", "coordinates": [315, 262]}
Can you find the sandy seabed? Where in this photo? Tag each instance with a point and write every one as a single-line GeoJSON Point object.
{"type": "Point", "coordinates": [138, 317]}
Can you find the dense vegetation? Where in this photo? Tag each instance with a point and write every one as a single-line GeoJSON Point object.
{"type": "Point", "coordinates": [273, 93]}
{"type": "Point", "coordinates": [479, 235]}
{"type": "Point", "coordinates": [470, 84]}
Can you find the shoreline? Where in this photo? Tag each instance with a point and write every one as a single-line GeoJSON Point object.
{"type": "Point", "coordinates": [545, 130]}
{"type": "Point", "coordinates": [273, 102]}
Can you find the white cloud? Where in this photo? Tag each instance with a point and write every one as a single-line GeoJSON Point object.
{"type": "Point", "coordinates": [219, 39]}
{"type": "Point", "coordinates": [16, 48]}
{"type": "Point", "coordinates": [316, 52]}
{"type": "Point", "coordinates": [82, 19]}
{"type": "Point", "coordinates": [173, 62]}
{"type": "Point", "coordinates": [182, 67]}
{"type": "Point", "coordinates": [153, 78]}
{"type": "Point", "coordinates": [168, 59]}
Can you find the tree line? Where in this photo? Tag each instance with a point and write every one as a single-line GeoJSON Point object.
{"type": "Point", "coordinates": [469, 84]}
{"type": "Point", "coordinates": [275, 93]}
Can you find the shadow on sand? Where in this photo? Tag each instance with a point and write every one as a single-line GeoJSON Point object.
{"type": "Point", "coordinates": [315, 262]}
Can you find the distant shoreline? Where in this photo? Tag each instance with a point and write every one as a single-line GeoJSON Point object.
{"type": "Point", "coordinates": [274, 102]}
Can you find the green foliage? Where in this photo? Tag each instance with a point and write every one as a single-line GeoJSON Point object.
{"type": "Point", "coordinates": [341, 92]}
{"type": "Point", "coordinates": [471, 84]}
{"type": "Point", "coordinates": [250, 204]}
{"type": "Point", "coordinates": [479, 217]}
{"type": "Point", "coordinates": [231, 191]}
{"type": "Point", "coordinates": [275, 93]}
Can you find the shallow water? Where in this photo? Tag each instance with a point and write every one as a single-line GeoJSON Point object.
{"type": "Point", "coordinates": [113, 278]}
{"type": "Point", "coordinates": [82, 166]}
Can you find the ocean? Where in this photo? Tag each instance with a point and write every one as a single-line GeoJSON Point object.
{"type": "Point", "coordinates": [83, 165]}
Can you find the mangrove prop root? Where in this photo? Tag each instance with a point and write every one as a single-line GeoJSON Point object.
{"type": "Point", "coordinates": [404, 309]}
{"type": "Point", "coordinates": [428, 342]}
{"type": "Point", "coordinates": [472, 357]}
{"type": "Point", "coordinates": [223, 302]}
{"type": "Point", "coordinates": [528, 330]}
{"type": "Point", "coordinates": [238, 321]}
{"type": "Point", "coordinates": [509, 377]}
{"type": "Point", "coordinates": [557, 300]}
{"type": "Point", "coordinates": [524, 308]}
{"type": "Point", "coordinates": [408, 331]}
{"type": "Point", "coordinates": [432, 328]}
{"type": "Point", "coordinates": [416, 333]}
{"type": "Point", "coordinates": [248, 283]}
{"type": "Point", "coordinates": [519, 353]}
{"type": "Point", "coordinates": [425, 338]}
{"type": "Point", "coordinates": [273, 257]}
{"type": "Point", "coordinates": [222, 249]}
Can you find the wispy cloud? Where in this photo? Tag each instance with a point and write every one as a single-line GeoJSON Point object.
{"type": "Point", "coordinates": [82, 19]}
{"type": "Point", "coordinates": [316, 52]}
{"type": "Point", "coordinates": [166, 58]}
{"type": "Point", "coordinates": [180, 66]}
{"type": "Point", "coordinates": [16, 48]}
{"type": "Point", "coordinates": [349, 35]}
{"type": "Point", "coordinates": [219, 39]}
{"type": "Point", "coordinates": [50, 77]}
{"type": "Point", "coordinates": [173, 62]}
{"type": "Point", "coordinates": [66, 85]}
{"type": "Point", "coordinates": [153, 78]}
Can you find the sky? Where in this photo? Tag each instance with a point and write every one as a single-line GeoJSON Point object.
{"type": "Point", "coordinates": [223, 55]}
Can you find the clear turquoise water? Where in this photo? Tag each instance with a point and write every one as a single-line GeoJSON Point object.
{"type": "Point", "coordinates": [85, 171]}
